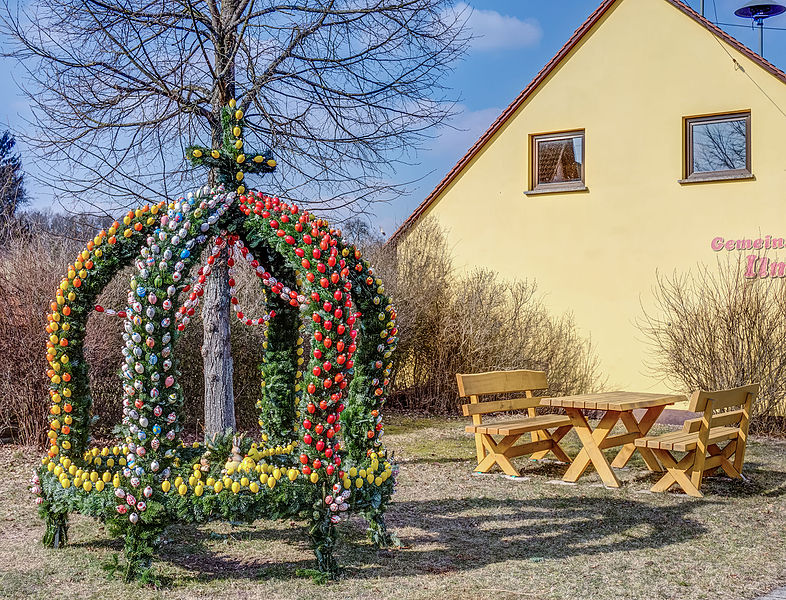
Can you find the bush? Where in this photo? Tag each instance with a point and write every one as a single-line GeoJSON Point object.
{"type": "Point", "coordinates": [28, 279]}
{"type": "Point", "coordinates": [466, 323]}
{"type": "Point", "coordinates": [32, 262]}
{"type": "Point", "coordinates": [713, 329]}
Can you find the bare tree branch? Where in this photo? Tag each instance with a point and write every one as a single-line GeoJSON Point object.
{"type": "Point", "coordinates": [343, 90]}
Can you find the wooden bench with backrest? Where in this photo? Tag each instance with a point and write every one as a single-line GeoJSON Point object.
{"type": "Point", "coordinates": [491, 451]}
{"type": "Point", "coordinates": [715, 440]}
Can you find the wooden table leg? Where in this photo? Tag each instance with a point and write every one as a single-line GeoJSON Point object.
{"type": "Point", "coordinates": [642, 427]}
{"type": "Point", "coordinates": [591, 440]}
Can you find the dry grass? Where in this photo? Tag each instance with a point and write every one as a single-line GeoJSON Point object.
{"type": "Point", "coordinates": [466, 536]}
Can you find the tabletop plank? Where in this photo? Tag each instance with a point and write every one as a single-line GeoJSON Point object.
{"type": "Point", "coordinates": [616, 401]}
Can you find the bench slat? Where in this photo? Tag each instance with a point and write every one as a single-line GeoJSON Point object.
{"type": "Point", "coordinates": [483, 408]}
{"type": "Point", "coordinates": [657, 441]}
{"type": "Point", "coordinates": [521, 426]}
{"type": "Point", "coordinates": [682, 441]}
{"type": "Point", "coordinates": [500, 382]}
{"type": "Point", "coordinates": [719, 420]}
{"type": "Point", "coordinates": [722, 398]}
{"type": "Point", "coordinates": [717, 434]}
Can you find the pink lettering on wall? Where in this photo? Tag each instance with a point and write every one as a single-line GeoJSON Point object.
{"type": "Point", "coordinates": [740, 244]}
{"type": "Point", "coordinates": [757, 266]}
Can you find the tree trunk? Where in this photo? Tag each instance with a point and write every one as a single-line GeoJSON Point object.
{"type": "Point", "coordinates": [217, 351]}
{"type": "Point", "coordinates": [216, 347]}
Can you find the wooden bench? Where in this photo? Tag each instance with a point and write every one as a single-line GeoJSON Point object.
{"type": "Point", "coordinates": [725, 421]}
{"type": "Point", "coordinates": [491, 451]}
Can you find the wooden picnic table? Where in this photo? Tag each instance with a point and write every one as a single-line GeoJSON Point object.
{"type": "Point", "coordinates": [617, 406]}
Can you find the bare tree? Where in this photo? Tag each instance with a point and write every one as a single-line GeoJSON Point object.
{"type": "Point", "coordinates": [343, 90]}
{"type": "Point", "coordinates": [452, 322]}
{"type": "Point", "coordinates": [714, 329]}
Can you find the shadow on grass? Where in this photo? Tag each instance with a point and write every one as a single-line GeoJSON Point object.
{"type": "Point", "coordinates": [457, 535]}
{"type": "Point", "coordinates": [197, 550]}
{"type": "Point", "coordinates": [757, 481]}
{"type": "Point", "coordinates": [460, 535]}
{"type": "Point", "coordinates": [467, 534]}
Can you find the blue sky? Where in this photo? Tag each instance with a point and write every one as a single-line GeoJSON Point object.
{"type": "Point", "coordinates": [515, 38]}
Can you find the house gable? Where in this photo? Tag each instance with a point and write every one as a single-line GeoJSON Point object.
{"type": "Point", "coordinates": [588, 28]}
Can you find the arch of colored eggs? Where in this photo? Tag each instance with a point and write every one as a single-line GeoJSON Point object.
{"type": "Point", "coordinates": [321, 418]}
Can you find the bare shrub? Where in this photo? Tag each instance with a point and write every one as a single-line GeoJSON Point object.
{"type": "Point", "coordinates": [713, 329]}
{"type": "Point", "coordinates": [32, 263]}
{"type": "Point", "coordinates": [465, 323]}
{"type": "Point", "coordinates": [30, 270]}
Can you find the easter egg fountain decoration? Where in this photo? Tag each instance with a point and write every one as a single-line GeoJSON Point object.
{"type": "Point", "coordinates": [319, 454]}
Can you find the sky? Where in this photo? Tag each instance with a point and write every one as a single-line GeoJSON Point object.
{"type": "Point", "coordinates": [514, 39]}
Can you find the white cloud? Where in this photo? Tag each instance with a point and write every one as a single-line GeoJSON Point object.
{"type": "Point", "coordinates": [494, 31]}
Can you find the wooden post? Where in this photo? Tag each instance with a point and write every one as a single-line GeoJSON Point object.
{"type": "Point", "coordinates": [701, 445]}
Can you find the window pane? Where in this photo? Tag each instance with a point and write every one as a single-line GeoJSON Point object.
{"type": "Point", "coordinates": [559, 160]}
{"type": "Point", "coordinates": [720, 146]}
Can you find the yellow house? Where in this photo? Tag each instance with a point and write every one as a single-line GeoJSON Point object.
{"type": "Point", "coordinates": [650, 139]}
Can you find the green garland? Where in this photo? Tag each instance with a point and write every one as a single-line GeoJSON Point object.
{"type": "Point", "coordinates": [279, 396]}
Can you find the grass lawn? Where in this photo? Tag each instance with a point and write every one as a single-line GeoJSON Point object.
{"type": "Point", "coordinates": [465, 536]}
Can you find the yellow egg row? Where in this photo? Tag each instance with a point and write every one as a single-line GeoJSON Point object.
{"type": "Point", "coordinates": [373, 468]}
{"type": "Point", "coordinates": [370, 478]}
{"type": "Point", "coordinates": [82, 479]}
{"type": "Point", "coordinates": [235, 486]}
